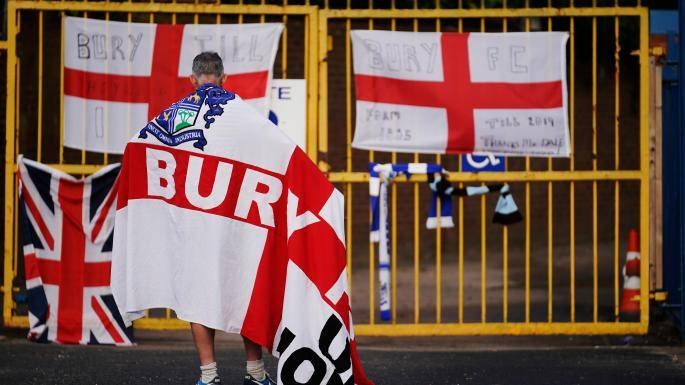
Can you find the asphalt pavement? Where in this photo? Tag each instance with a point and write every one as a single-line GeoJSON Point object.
{"type": "Point", "coordinates": [169, 358]}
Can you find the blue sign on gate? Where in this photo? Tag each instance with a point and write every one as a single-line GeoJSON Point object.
{"type": "Point", "coordinates": [480, 162]}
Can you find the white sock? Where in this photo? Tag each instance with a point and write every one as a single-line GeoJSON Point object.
{"type": "Point", "coordinates": [208, 372]}
{"type": "Point", "coordinates": [256, 369]}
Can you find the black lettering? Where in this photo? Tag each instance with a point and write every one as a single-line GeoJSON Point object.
{"type": "Point", "coordinates": [342, 363]}
{"type": "Point", "coordinates": [394, 58]}
{"type": "Point", "coordinates": [201, 40]}
{"type": "Point", "coordinates": [99, 46]}
{"type": "Point", "coordinates": [253, 50]}
{"type": "Point", "coordinates": [222, 45]}
{"type": "Point", "coordinates": [336, 380]}
{"type": "Point", "coordinates": [375, 57]}
{"type": "Point", "coordinates": [135, 42]}
{"type": "Point", "coordinates": [287, 338]}
{"type": "Point", "coordinates": [516, 64]}
{"type": "Point", "coordinates": [492, 54]}
{"type": "Point", "coordinates": [410, 57]}
{"type": "Point", "coordinates": [297, 358]}
{"type": "Point", "coordinates": [432, 51]}
{"type": "Point", "coordinates": [117, 41]}
{"type": "Point", "coordinates": [236, 57]}
{"type": "Point", "coordinates": [284, 93]}
{"type": "Point", "coordinates": [82, 43]}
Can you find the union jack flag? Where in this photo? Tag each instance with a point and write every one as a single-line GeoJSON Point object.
{"type": "Point", "coordinates": [68, 227]}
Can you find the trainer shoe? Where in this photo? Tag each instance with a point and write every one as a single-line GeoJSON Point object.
{"type": "Point", "coordinates": [215, 381]}
{"type": "Point", "coordinates": [249, 380]}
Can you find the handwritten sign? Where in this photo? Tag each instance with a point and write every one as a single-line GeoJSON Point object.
{"type": "Point", "coordinates": [524, 132]}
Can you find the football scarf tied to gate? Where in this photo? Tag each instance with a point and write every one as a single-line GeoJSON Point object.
{"type": "Point", "coordinates": [67, 237]}
{"type": "Point", "coordinates": [506, 211]}
{"type": "Point", "coordinates": [380, 177]}
{"type": "Point", "coordinates": [236, 229]}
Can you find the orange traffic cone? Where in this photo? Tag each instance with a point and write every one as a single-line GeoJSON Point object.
{"type": "Point", "coordinates": [630, 296]}
{"type": "Point", "coordinates": [633, 255]}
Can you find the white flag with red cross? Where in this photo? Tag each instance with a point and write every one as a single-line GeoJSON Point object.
{"type": "Point", "coordinates": [431, 92]}
{"type": "Point", "coordinates": [118, 75]}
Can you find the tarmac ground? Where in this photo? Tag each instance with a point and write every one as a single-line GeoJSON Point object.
{"type": "Point", "coordinates": [169, 358]}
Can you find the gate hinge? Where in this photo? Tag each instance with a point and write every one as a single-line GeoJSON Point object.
{"type": "Point", "coordinates": [653, 51]}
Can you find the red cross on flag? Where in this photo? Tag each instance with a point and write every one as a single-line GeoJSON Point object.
{"type": "Point", "coordinates": [118, 76]}
{"type": "Point", "coordinates": [68, 227]}
{"type": "Point", "coordinates": [431, 92]}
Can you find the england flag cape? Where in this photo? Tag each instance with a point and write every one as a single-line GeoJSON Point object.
{"type": "Point", "coordinates": [227, 222]}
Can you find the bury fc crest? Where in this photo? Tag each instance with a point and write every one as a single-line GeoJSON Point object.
{"type": "Point", "coordinates": [174, 125]}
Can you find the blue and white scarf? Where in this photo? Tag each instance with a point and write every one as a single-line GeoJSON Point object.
{"type": "Point", "coordinates": [380, 177]}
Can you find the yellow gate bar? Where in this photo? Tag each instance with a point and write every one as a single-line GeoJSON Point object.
{"type": "Point", "coordinates": [163, 7]}
{"type": "Point", "coordinates": [617, 159]}
{"type": "Point", "coordinates": [435, 329]}
{"type": "Point", "coordinates": [595, 230]}
{"type": "Point", "coordinates": [501, 328]}
{"type": "Point", "coordinates": [9, 162]}
{"type": "Point", "coordinates": [509, 176]}
{"type": "Point", "coordinates": [496, 13]}
{"type": "Point", "coordinates": [311, 53]}
{"type": "Point", "coordinates": [644, 166]}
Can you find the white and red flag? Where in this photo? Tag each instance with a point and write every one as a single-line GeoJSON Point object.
{"type": "Point", "coordinates": [118, 75]}
{"type": "Point", "coordinates": [227, 222]}
{"type": "Point", "coordinates": [432, 92]}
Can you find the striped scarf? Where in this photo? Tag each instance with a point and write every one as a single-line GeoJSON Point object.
{"type": "Point", "coordinates": [380, 177]}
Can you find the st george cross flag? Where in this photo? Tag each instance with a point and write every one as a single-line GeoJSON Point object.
{"type": "Point", "coordinates": [431, 92]}
{"type": "Point", "coordinates": [231, 225]}
{"type": "Point", "coordinates": [67, 236]}
{"type": "Point", "coordinates": [110, 86]}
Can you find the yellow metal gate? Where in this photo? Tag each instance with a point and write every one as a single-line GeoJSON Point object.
{"type": "Point", "coordinates": [558, 272]}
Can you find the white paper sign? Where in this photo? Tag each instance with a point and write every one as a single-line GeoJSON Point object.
{"type": "Point", "coordinates": [289, 106]}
